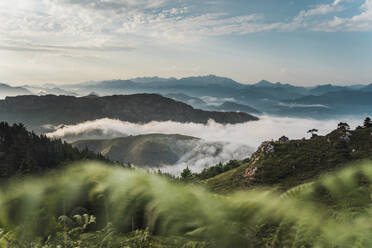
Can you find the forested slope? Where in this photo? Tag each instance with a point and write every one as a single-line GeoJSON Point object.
{"type": "Point", "coordinates": [287, 163]}
{"type": "Point", "coordinates": [23, 152]}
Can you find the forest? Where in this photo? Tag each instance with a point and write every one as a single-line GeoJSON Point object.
{"type": "Point", "coordinates": [23, 152]}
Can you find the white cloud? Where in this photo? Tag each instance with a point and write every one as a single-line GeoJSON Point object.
{"type": "Point", "coordinates": [359, 22]}
{"type": "Point", "coordinates": [366, 14]}
{"type": "Point", "coordinates": [307, 19]}
{"type": "Point", "coordinates": [322, 9]}
{"type": "Point", "coordinates": [99, 22]}
{"type": "Point", "coordinates": [86, 23]}
{"type": "Point", "coordinates": [220, 143]}
{"type": "Point", "coordinates": [336, 2]}
{"type": "Point", "coordinates": [72, 26]}
{"type": "Point", "coordinates": [206, 154]}
{"type": "Point", "coordinates": [250, 133]}
{"type": "Point", "coordinates": [117, 5]}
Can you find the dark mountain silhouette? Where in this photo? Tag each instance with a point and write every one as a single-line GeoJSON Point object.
{"type": "Point", "coordinates": [327, 88]}
{"type": "Point", "coordinates": [367, 88]}
{"type": "Point", "coordinates": [264, 96]}
{"type": "Point", "coordinates": [37, 111]}
{"type": "Point", "coordinates": [264, 83]}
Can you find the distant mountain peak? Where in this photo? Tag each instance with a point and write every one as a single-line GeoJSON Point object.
{"type": "Point", "coordinates": [264, 83]}
{"type": "Point", "coordinates": [92, 94]}
{"type": "Point", "coordinates": [151, 79]}
{"type": "Point", "coordinates": [209, 80]}
{"type": "Point", "coordinates": [7, 90]}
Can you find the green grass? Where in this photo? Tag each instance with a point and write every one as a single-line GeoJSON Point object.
{"type": "Point", "coordinates": [298, 161]}
{"type": "Point", "coordinates": [94, 205]}
{"type": "Point", "coordinates": [228, 181]}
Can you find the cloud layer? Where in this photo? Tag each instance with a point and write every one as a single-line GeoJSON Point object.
{"type": "Point", "coordinates": [231, 141]}
{"type": "Point", "coordinates": [251, 133]}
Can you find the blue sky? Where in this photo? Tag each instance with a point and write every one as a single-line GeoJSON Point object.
{"type": "Point", "coordinates": [300, 42]}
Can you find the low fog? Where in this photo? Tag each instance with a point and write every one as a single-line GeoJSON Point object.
{"type": "Point", "coordinates": [249, 133]}
{"type": "Point", "coordinates": [221, 143]}
{"type": "Point", "coordinates": [206, 154]}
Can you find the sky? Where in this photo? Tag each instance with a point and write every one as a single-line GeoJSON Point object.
{"type": "Point", "coordinates": [303, 42]}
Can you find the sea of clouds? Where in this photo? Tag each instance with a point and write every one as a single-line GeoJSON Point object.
{"type": "Point", "coordinates": [220, 142]}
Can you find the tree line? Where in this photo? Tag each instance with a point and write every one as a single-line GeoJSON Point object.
{"type": "Point", "coordinates": [23, 152]}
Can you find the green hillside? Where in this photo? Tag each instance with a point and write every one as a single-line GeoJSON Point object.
{"type": "Point", "coordinates": [23, 152]}
{"type": "Point", "coordinates": [142, 150]}
{"type": "Point", "coordinates": [99, 206]}
{"type": "Point", "coordinates": [287, 163]}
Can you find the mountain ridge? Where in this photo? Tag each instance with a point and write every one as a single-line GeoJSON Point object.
{"type": "Point", "coordinates": [7, 90]}
{"type": "Point", "coordinates": [264, 96]}
{"type": "Point", "coordinates": [287, 163]}
{"type": "Point", "coordinates": [137, 108]}
{"type": "Point", "coordinates": [141, 150]}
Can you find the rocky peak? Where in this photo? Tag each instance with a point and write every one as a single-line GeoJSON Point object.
{"type": "Point", "coordinates": [266, 148]}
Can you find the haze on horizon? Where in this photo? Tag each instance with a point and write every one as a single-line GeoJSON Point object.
{"type": "Point", "coordinates": [298, 42]}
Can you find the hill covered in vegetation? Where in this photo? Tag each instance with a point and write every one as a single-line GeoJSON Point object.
{"type": "Point", "coordinates": [23, 152]}
{"type": "Point", "coordinates": [97, 206]}
{"type": "Point", "coordinates": [142, 150]}
{"type": "Point", "coordinates": [287, 163]}
{"type": "Point", "coordinates": [36, 111]}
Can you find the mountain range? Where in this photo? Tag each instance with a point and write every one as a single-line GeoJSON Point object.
{"type": "Point", "coordinates": [262, 97]}
{"type": "Point", "coordinates": [224, 105]}
{"type": "Point", "coordinates": [38, 111]}
{"type": "Point", "coordinates": [6, 90]}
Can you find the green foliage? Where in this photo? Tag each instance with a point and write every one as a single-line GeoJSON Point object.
{"type": "Point", "coordinates": [137, 209]}
{"type": "Point", "coordinates": [186, 174]}
{"type": "Point", "coordinates": [218, 169]}
{"type": "Point", "coordinates": [207, 173]}
{"type": "Point", "coordinates": [298, 161]}
{"type": "Point", "coordinates": [367, 122]}
{"type": "Point", "coordinates": [23, 152]}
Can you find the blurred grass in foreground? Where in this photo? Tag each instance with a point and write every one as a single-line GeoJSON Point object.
{"type": "Point", "coordinates": [94, 205]}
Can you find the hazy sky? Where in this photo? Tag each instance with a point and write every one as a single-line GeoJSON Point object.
{"type": "Point", "coordinates": [303, 42]}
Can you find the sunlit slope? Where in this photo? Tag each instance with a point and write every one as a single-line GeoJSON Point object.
{"type": "Point", "coordinates": [145, 150]}
{"type": "Point", "coordinates": [94, 205]}
{"type": "Point", "coordinates": [289, 163]}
